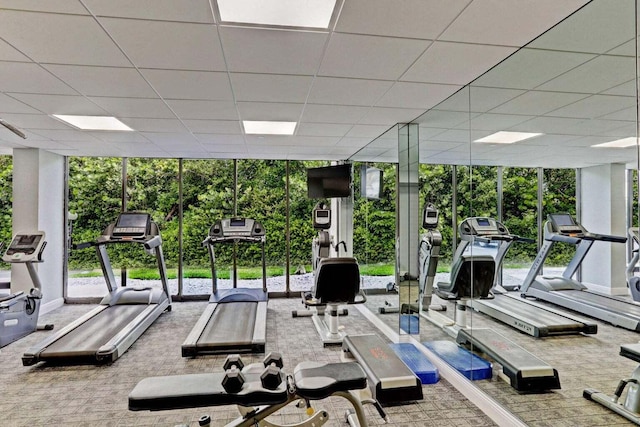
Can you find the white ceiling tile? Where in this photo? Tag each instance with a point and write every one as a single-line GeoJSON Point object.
{"type": "Point", "coordinates": [455, 63]}
{"type": "Point", "coordinates": [594, 106]}
{"type": "Point", "coordinates": [33, 33]}
{"type": "Point", "coordinates": [597, 28]}
{"type": "Point", "coordinates": [208, 110]}
{"type": "Point", "coordinates": [322, 129]}
{"type": "Point", "coordinates": [367, 131]}
{"type": "Point", "coordinates": [154, 125]}
{"type": "Point", "coordinates": [370, 57]}
{"type": "Point", "coordinates": [134, 107]}
{"type": "Point", "coordinates": [625, 89]}
{"type": "Point", "coordinates": [594, 76]}
{"type": "Point", "coordinates": [214, 126]}
{"type": "Point", "coordinates": [11, 105]}
{"type": "Point", "coordinates": [497, 122]}
{"type": "Point", "coordinates": [221, 140]}
{"type": "Point", "coordinates": [484, 99]}
{"type": "Point", "coordinates": [291, 140]}
{"type": "Point", "coordinates": [174, 84]}
{"type": "Point", "coordinates": [389, 116]}
{"type": "Point", "coordinates": [170, 45]}
{"type": "Point", "coordinates": [163, 10]}
{"type": "Point", "coordinates": [56, 6]}
{"type": "Point", "coordinates": [269, 111]}
{"type": "Point", "coordinates": [119, 137]}
{"type": "Point", "coordinates": [627, 114]}
{"type": "Point", "coordinates": [416, 95]}
{"type": "Point", "coordinates": [538, 102]}
{"type": "Point", "coordinates": [420, 19]}
{"type": "Point", "coordinates": [271, 87]}
{"type": "Point", "coordinates": [529, 68]}
{"type": "Point", "coordinates": [67, 135]}
{"type": "Point", "coordinates": [8, 53]}
{"type": "Point", "coordinates": [60, 104]}
{"type": "Point", "coordinates": [30, 78]}
{"type": "Point", "coordinates": [103, 81]}
{"type": "Point", "coordinates": [625, 49]}
{"type": "Point", "coordinates": [171, 139]}
{"type": "Point", "coordinates": [507, 23]}
{"type": "Point", "coordinates": [34, 121]}
{"type": "Point", "coordinates": [340, 91]}
{"type": "Point", "coordinates": [272, 51]}
{"type": "Point", "coordinates": [443, 119]}
{"type": "Point", "coordinates": [332, 114]}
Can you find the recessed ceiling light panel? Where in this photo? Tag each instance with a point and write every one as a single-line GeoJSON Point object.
{"type": "Point", "coordinates": [93, 122]}
{"type": "Point", "coordinates": [269, 128]}
{"type": "Point", "coordinates": [504, 137]}
{"type": "Point", "coordinates": [618, 143]}
{"type": "Point", "coordinates": [288, 13]}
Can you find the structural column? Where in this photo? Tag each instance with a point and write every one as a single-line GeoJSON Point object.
{"type": "Point", "coordinates": [603, 211]}
{"type": "Point", "coordinates": [38, 204]}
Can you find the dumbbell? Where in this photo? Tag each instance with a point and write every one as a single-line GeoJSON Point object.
{"type": "Point", "coordinates": [270, 377]}
{"type": "Point", "coordinates": [233, 379]}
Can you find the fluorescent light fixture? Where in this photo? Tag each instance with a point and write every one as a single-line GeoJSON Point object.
{"type": "Point", "coordinates": [504, 137]}
{"type": "Point", "coordinates": [93, 122]}
{"type": "Point", "coordinates": [269, 128]}
{"type": "Point", "coordinates": [618, 143]}
{"type": "Point", "coordinates": [289, 13]}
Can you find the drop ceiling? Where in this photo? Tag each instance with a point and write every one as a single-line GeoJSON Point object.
{"type": "Point", "coordinates": [184, 81]}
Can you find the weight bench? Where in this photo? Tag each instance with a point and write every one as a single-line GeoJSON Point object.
{"type": "Point", "coordinates": [310, 381]}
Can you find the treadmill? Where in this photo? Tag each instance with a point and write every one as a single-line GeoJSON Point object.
{"type": "Point", "coordinates": [106, 332]}
{"type": "Point", "coordinates": [526, 316]}
{"type": "Point", "coordinates": [568, 292]}
{"type": "Point", "coordinates": [235, 319]}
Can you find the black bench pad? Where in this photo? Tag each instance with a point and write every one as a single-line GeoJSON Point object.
{"type": "Point", "coordinates": [320, 380]}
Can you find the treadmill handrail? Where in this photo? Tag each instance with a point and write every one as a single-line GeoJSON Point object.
{"type": "Point", "coordinates": [605, 237]}
{"type": "Point", "coordinates": [251, 239]}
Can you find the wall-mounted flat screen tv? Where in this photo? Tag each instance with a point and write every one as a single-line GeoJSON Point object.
{"type": "Point", "coordinates": [371, 182]}
{"type": "Point", "coordinates": [329, 181]}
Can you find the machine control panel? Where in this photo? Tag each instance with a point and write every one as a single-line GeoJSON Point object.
{"type": "Point", "coordinates": [481, 226]}
{"type": "Point", "coordinates": [430, 217]}
{"type": "Point", "coordinates": [321, 218]}
{"type": "Point", "coordinates": [25, 247]}
{"type": "Point", "coordinates": [132, 225]}
{"type": "Point", "coordinates": [231, 228]}
{"type": "Point", "coordinates": [564, 223]}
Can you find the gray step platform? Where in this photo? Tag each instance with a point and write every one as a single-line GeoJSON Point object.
{"type": "Point", "coordinates": [526, 372]}
{"type": "Point", "coordinates": [390, 379]}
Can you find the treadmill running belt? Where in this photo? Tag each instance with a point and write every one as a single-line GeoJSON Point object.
{"type": "Point", "coordinates": [602, 301]}
{"type": "Point", "coordinates": [86, 339]}
{"type": "Point", "coordinates": [230, 324]}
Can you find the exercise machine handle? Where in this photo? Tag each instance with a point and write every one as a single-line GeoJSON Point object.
{"type": "Point", "coordinates": [83, 245]}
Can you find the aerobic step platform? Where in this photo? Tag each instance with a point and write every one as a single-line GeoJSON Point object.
{"type": "Point", "coordinates": [410, 324]}
{"type": "Point", "coordinates": [461, 359]}
{"type": "Point", "coordinates": [417, 362]}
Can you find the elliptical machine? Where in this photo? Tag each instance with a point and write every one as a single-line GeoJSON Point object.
{"type": "Point", "coordinates": [19, 311]}
{"type": "Point", "coordinates": [336, 281]}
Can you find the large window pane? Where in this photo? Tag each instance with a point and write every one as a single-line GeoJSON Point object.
{"type": "Point", "coordinates": [95, 188]}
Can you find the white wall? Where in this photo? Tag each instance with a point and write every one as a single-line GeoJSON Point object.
{"type": "Point", "coordinates": [38, 204]}
{"type": "Point", "coordinates": [603, 211]}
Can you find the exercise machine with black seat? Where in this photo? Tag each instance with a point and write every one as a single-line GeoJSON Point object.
{"type": "Point", "coordinates": [336, 282]}
{"type": "Point", "coordinates": [629, 405]}
{"type": "Point", "coordinates": [567, 292]}
{"type": "Point", "coordinates": [235, 320]}
{"type": "Point", "coordinates": [19, 311]}
{"type": "Point", "coordinates": [472, 279]}
{"type": "Point", "coordinates": [255, 396]}
{"type": "Point", "coordinates": [124, 314]}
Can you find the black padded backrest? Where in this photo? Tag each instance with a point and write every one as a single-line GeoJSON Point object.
{"type": "Point", "coordinates": [482, 271]}
{"type": "Point", "coordinates": [337, 280]}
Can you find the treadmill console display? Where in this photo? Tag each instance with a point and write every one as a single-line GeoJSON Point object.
{"type": "Point", "coordinates": [482, 227]}
{"type": "Point", "coordinates": [429, 217]}
{"type": "Point", "coordinates": [231, 228]}
{"type": "Point", "coordinates": [130, 224]}
{"type": "Point", "coordinates": [321, 219]}
{"type": "Point", "coordinates": [565, 224]}
{"type": "Point", "coordinates": [25, 247]}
